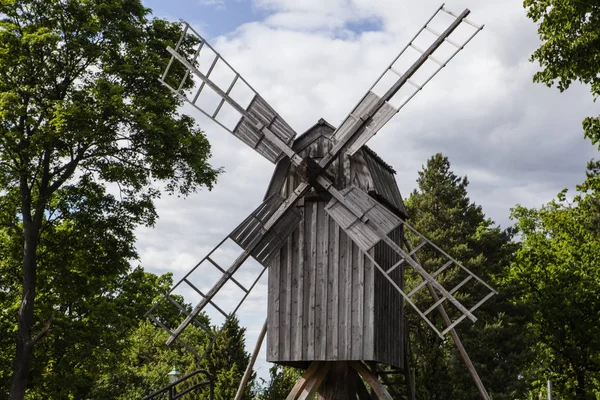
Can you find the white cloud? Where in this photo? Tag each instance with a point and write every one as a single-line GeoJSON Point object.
{"type": "Point", "coordinates": [518, 142]}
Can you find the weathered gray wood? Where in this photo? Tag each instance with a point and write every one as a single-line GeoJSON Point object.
{"type": "Point", "coordinates": [249, 368]}
{"type": "Point", "coordinates": [273, 310]}
{"type": "Point", "coordinates": [371, 380]}
{"type": "Point", "coordinates": [314, 382]}
{"type": "Point", "coordinates": [303, 381]}
{"type": "Point", "coordinates": [314, 271]}
{"type": "Point", "coordinates": [332, 288]}
{"type": "Point", "coordinates": [286, 332]}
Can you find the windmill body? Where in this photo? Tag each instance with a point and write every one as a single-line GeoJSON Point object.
{"type": "Point", "coordinates": [332, 229]}
{"type": "Point", "coordinates": [326, 300]}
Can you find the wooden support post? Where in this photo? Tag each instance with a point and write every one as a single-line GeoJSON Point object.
{"type": "Point", "coordinates": [242, 388]}
{"type": "Point", "coordinates": [299, 386]}
{"type": "Point", "coordinates": [314, 383]}
{"type": "Point", "coordinates": [454, 335]}
{"type": "Point", "coordinates": [371, 380]}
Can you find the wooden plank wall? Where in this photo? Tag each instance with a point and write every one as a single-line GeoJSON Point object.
{"type": "Point", "coordinates": [321, 300]}
{"type": "Point", "coordinates": [326, 301]}
{"type": "Point", "coordinates": [389, 306]}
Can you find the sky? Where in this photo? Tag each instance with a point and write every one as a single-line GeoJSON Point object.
{"type": "Point", "coordinates": [518, 142]}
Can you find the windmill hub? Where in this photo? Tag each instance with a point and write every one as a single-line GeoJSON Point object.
{"type": "Point", "coordinates": [309, 171]}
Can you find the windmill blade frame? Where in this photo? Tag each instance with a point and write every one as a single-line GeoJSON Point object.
{"type": "Point", "coordinates": [378, 110]}
{"type": "Point", "coordinates": [256, 123]}
{"type": "Point", "coordinates": [367, 222]}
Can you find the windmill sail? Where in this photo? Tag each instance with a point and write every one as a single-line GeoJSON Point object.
{"type": "Point", "coordinates": [224, 96]}
{"type": "Point", "coordinates": [376, 110]}
{"type": "Point", "coordinates": [367, 223]}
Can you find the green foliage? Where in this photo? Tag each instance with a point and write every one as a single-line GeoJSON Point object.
{"type": "Point", "coordinates": [82, 116]}
{"type": "Point", "coordinates": [281, 382]}
{"type": "Point", "coordinates": [557, 271]}
{"type": "Point", "coordinates": [441, 209]}
{"type": "Point", "coordinates": [570, 31]}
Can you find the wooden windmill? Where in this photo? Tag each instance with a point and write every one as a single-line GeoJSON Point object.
{"type": "Point", "coordinates": [331, 230]}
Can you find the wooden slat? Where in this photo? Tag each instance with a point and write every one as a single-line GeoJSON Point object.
{"type": "Point", "coordinates": [323, 257]}
{"type": "Point", "coordinates": [335, 293]}
{"type": "Point", "coordinates": [298, 327]}
{"type": "Point", "coordinates": [312, 284]}
{"type": "Point", "coordinates": [287, 316]}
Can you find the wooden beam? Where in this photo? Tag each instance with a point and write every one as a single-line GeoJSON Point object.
{"type": "Point", "coordinates": [314, 383]}
{"type": "Point", "coordinates": [299, 386]}
{"type": "Point", "coordinates": [248, 372]}
{"type": "Point", "coordinates": [372, 380]}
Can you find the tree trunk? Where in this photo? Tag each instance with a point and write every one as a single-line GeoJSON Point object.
{"type": "Point", "coordinates": [25, 342]}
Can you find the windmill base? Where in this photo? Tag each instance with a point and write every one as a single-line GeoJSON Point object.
{"type": "Point", "coordinates": [338, 380]}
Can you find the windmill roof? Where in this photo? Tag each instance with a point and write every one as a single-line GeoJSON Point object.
{"type": "Point", "coordinates": [314, 133]}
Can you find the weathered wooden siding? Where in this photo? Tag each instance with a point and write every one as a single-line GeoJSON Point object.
{"type": "Point", "coordinates": [326, 300]}
{"type": "Point", "coordinates": [321, 303]}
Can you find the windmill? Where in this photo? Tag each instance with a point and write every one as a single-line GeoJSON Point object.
{"type": "Point", "coordinates": [332, 229]}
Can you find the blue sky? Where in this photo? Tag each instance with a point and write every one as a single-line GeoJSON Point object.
{"type": "Point", "coordinates": [220, 17]}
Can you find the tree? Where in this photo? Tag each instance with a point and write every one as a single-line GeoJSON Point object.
{"type": "Point", "coordinates": [441, 209]}
{"type": "Point", "coordinates": [557, 270]}
{"type": "Point", "coordinates": [281, 382]}
{"type": "Point", "coordinates": [81, 110]}
{"type": "Point", "coordinates": [228, 360]}
{"type": "Point", "coordinates": [570, 51]}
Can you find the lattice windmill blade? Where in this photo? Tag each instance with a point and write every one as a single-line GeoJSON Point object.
{"type": "Point", "coordinates": [367, 223]}
{"type": "Point", "coordinates": [259, 236]}
{"type": "Point", "coordinates": [374, 111]}
{"type": "Point", "coordinates": [228, 99]}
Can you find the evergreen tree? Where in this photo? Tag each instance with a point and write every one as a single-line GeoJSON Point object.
{"type": "Point", "coordinates": [441, 209]}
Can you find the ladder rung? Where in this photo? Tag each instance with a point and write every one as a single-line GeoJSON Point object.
{"type": "Point", "coordinates": [212, 66]}
{"type": "Point", "coordinates": [436, 273]}
{"type": "Point", "coordinates": [413, 83]}
{"type": "Point", "coordinates": [435, 60]}
{"type": "Point", "coordinates": [186, 313]}
{"type": "Point", "coordinates": [223, 99]}
{"type": "Point", "coordinates": [473, 24]}
{"type": "Point", "coordinates": [225, 273]}
{"type": "Point", "coordinates": [444, 9]}
{"type": "Point", "coordinates": [413, 251]}
{"type": "Point", "coordinates": [416, 48]}
{"type": "Point", "coordinates": [396, 72]}
{"type": "Point", "coordinates": [204, 296]}
{"type": "Point", "coordinates": [453, 43]}
{"type": "Point", "coordinates": [198, 92]}
{"type": "Point", "coordinates": [436, 33]}
{"type": "Point", "coordinates": [454, 289]}
{"type": "Point", "coordinates": [475, 307]}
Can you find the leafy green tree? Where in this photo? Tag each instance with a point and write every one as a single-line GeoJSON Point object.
{"type": "Point", "coordinates": [81, 108]}
{"type": "Point", "coordinates": [441, 209]}
{"type": "Point", "coordinates": [281, 382]}
{"type": "Point", "coordinates": [570, 50]}
{"type": "Point", "coordinates": [557, 270]}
